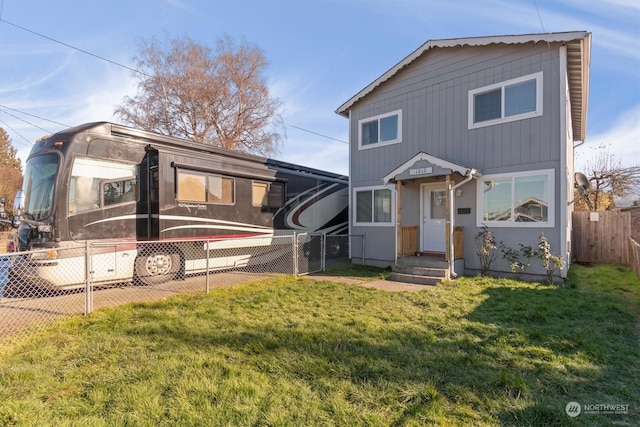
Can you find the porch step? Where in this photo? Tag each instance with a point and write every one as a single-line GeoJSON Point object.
{"type": "Point", "coordinates": [423, 261]}
{"type": "Point", "coordinates": [415, 279]}
{"type": "Point", "coordinates": [420, 270]}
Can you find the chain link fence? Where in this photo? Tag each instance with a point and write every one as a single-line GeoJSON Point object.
{"type": "Point", "coordinates": [39, 287]}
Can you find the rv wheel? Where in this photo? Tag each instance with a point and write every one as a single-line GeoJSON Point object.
{"type": "Point", "coordinates": [334, 247]}
{"type": "Point", "coordinates": [156, 268]}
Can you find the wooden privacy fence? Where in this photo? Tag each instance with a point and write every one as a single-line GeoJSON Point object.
{"type": "Point", "coordinates": [634, 248]}
{"type": "Point", "coordinates": [602, 237]}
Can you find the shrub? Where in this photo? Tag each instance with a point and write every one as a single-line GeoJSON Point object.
{"type": "Point", "coordinates": [486, 246]}
{"type": "Point", "coordinates": [550, 262]}
{"type": "Point", "coordinates": [517, 267]}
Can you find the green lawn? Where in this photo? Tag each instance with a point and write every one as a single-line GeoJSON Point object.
{"type": "Point", "coordinates": [477, 351]}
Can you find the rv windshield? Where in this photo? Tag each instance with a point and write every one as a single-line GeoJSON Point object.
{"type": "Point", "coordinates": [39, 181]}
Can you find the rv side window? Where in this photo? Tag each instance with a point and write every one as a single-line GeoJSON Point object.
{"type": "Point", "coordinates": [97, 183]}
{"type": "Point", "coordinates": [201, 187]}
{"type": "Point", "coordinates": [120, 191]}
{"type": "Point", "coordinates": [192, 187]}
{"type": "Point", "coordinates": [220, 189]}
{"type": "Point", "coordinates": [268, 194]}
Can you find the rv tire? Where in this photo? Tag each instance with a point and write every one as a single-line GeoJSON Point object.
{"type": "Point", "coordinates": [156, 267]}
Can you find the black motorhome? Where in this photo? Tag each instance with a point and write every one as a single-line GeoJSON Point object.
{"type": "Point", "coordinates": [103, 182]}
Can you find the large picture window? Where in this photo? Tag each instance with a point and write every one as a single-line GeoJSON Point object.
{"type": "Point", "coordinates": [382, 129]}
{"type": "Point", "coordinates": [374, 206]}
{"type": "Point", "coordinates": [522, 199]}
{"type": "Point", "coordinates": [515, 99]}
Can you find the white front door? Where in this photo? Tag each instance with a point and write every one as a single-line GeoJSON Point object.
{"type": "Point", "coordinates": [434, 218]}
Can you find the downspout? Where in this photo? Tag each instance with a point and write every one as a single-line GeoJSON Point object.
{"type": "Point", "coordinates": [470, 173]}
{"type": "Point", "coordinates": [394, 192]}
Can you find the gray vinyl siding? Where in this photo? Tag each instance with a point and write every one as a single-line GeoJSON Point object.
{"type": "Point", "coordinates": [379, 245]}
{"type": "Point", "coordinates": [432, 93]}
{"type": "Point", "coordinates": [433, 96]}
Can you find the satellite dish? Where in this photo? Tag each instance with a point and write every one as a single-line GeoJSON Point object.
{"type": "Point", "coordinates": [582, 183]}
{"type": "Point", "coordinates": [584, 188]}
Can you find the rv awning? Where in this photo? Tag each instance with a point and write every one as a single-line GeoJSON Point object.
{"type": "Point", "coordinates": [424, 165]}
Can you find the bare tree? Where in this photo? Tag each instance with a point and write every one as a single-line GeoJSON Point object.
{"type": "Point", "coordinates": [219, 98]}
{"type": "Point", "coordinates": [609, 179]}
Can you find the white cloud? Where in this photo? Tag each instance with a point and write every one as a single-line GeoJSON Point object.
{"type": "Point", "coordinates": [98, 103]}
{"type": "Point", "coordinates": [317, 153]}
{"type": "Point", "coordinates": [600, 7]}
{"type": "Point", "coordinates": [88, 98]}
{"type": "Point", "coordinates": [622, 140]}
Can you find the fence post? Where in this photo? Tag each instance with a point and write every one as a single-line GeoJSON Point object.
{"type": "Point", "coordinates": [88, 293]}
{"type": "Point", "coordinates": [206, 249]}
{"type": "Point", "coordinates": [323, 251]}
{"type": "Point", "coordinates": [634, 255]}
{"type": "Point", "coordinates": [295, 255]}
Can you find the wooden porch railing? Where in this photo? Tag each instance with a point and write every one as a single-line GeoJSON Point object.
{"type": "Point", "coordinates": [409, 241]}
{"type": "Point", "coordinates": [458, 242]}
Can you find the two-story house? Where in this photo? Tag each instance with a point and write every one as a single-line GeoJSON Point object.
{"type": "Point", "coordinates": [464, 134]}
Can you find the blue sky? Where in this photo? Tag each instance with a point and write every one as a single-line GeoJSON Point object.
{"type": "Point", "coordinates": [320, 53]}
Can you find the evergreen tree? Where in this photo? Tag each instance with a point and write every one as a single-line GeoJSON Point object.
{"type": "Point", "coordinates": [10, 173]}
{"type": "Point", "coordinates": [8, 154]}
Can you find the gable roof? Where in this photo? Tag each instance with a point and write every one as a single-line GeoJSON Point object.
{"type": "Point", "coordinates": [578, 58]}
{"type": "Point", "coordinates": [436, 161]}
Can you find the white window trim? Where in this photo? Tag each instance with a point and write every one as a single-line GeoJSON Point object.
{"type": "Point", "coordinates": [391, 223]}
{"type": "Point", "coordinates": [480, 221]}
{"type": "Point", "coordinates": [538, 112]}
{"type": "Point", "coordinates": [378, 118]}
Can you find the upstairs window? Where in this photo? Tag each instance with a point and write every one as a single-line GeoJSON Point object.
{"type": "Point", "coordinates": [382, 129]}
{"type": "Point", "coordinates": [511, 100]}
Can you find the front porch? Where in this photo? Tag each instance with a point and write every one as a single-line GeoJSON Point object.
{"type": "Point", "coordinates": [414, 266]}
{"type": "Point", "coordinates": [426, 188]}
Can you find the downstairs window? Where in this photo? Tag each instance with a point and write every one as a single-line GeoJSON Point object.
{"type": "Point", "coordinates": [523, 199]}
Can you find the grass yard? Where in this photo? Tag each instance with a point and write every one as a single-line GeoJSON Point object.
{"type": "Point", "coordinates": [477, 351]}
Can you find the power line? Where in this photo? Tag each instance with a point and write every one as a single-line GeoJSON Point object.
{"type": "Point", "coordinates": [74, 47]}
{"type": "Point", "coordinates": [539, 16]}
{"type": "Point", "coordinates": [34, 116]}
{"type": "Point", "coordinates": [29, 143]}
{"type": "Point", "coordinates": [114, 63]}
{"type": "Point", "coordinates": [3, 109]}
{"type": "Point", "coordinates": [315, 133]}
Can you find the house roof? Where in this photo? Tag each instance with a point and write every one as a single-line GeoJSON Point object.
{"type": "Point", "coordinates": [578, 45]}
{"type": "Point", "coordinates": [436, 161]}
